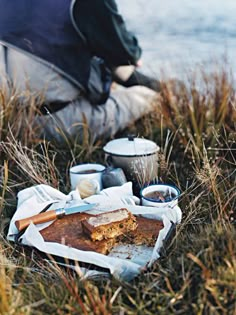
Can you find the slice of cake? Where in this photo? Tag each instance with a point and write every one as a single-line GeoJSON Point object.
{"type": "Point", "coordinates": [109, 224]}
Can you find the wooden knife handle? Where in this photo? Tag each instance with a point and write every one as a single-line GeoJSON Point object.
{"type": "Point", "coordinates": [36, 219]}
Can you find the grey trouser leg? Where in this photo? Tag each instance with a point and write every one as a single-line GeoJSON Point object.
{"type": "Point", "coordinates": [124, 106]}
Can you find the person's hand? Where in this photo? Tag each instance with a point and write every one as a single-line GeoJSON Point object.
{"type": "Point", "coordinates": [139, 63]}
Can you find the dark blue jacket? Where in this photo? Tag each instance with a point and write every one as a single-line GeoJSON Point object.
{"type": "Point", "coordinates": [50, 29]}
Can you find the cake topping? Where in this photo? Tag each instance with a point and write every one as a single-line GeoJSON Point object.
{"type": "Point", "coordinates": [107, 218]}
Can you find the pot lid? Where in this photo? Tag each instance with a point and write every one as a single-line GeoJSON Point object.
{"type": "Point", "coordinates": [131, 146]}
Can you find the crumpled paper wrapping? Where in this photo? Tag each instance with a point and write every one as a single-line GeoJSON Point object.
{"type": "Point", "coordinates": [32, 200]}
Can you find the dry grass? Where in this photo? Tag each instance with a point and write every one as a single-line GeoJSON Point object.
{"type": "Point", "coordinates": [196, 131]}
{"type": "Point", "coordinates": [200, 118]}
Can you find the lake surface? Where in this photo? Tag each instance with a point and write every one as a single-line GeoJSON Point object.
{"type": "Point", "coordinates": [178, 36]}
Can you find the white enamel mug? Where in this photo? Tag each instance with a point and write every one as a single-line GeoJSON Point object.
{"type": "Point", "coordinates": [90, 171]}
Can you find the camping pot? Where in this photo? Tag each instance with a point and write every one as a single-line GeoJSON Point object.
{"type": "Point", "coordinates": [138, 157]}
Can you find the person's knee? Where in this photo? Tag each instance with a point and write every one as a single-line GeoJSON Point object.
{"type": "Point", "coordinates": [142, 91]}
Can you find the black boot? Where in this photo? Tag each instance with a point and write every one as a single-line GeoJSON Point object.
{"type": "Point", "coordinates": [138, 78]}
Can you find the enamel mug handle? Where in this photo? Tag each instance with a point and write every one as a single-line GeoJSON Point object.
{"type": "Point", "coordinates": [109, 160]}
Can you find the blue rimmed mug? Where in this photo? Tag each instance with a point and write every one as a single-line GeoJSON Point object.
{"type": "Point", "coordinates": [160, 195]}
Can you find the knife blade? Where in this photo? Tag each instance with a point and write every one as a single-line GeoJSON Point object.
{"type": "Point", "coordinates": [52, 215]}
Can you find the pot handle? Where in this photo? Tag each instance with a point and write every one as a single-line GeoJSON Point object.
{"type": "Point", "coordinates": [131, 137]}
{"type": "Point", "coordinates": [109, 160]}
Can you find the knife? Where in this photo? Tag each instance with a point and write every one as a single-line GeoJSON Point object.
{"type": "Point", "coordinates": [52, 215]}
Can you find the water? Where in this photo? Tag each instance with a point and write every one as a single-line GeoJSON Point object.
{"type": "Point", "coordinates": [179, 36]}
